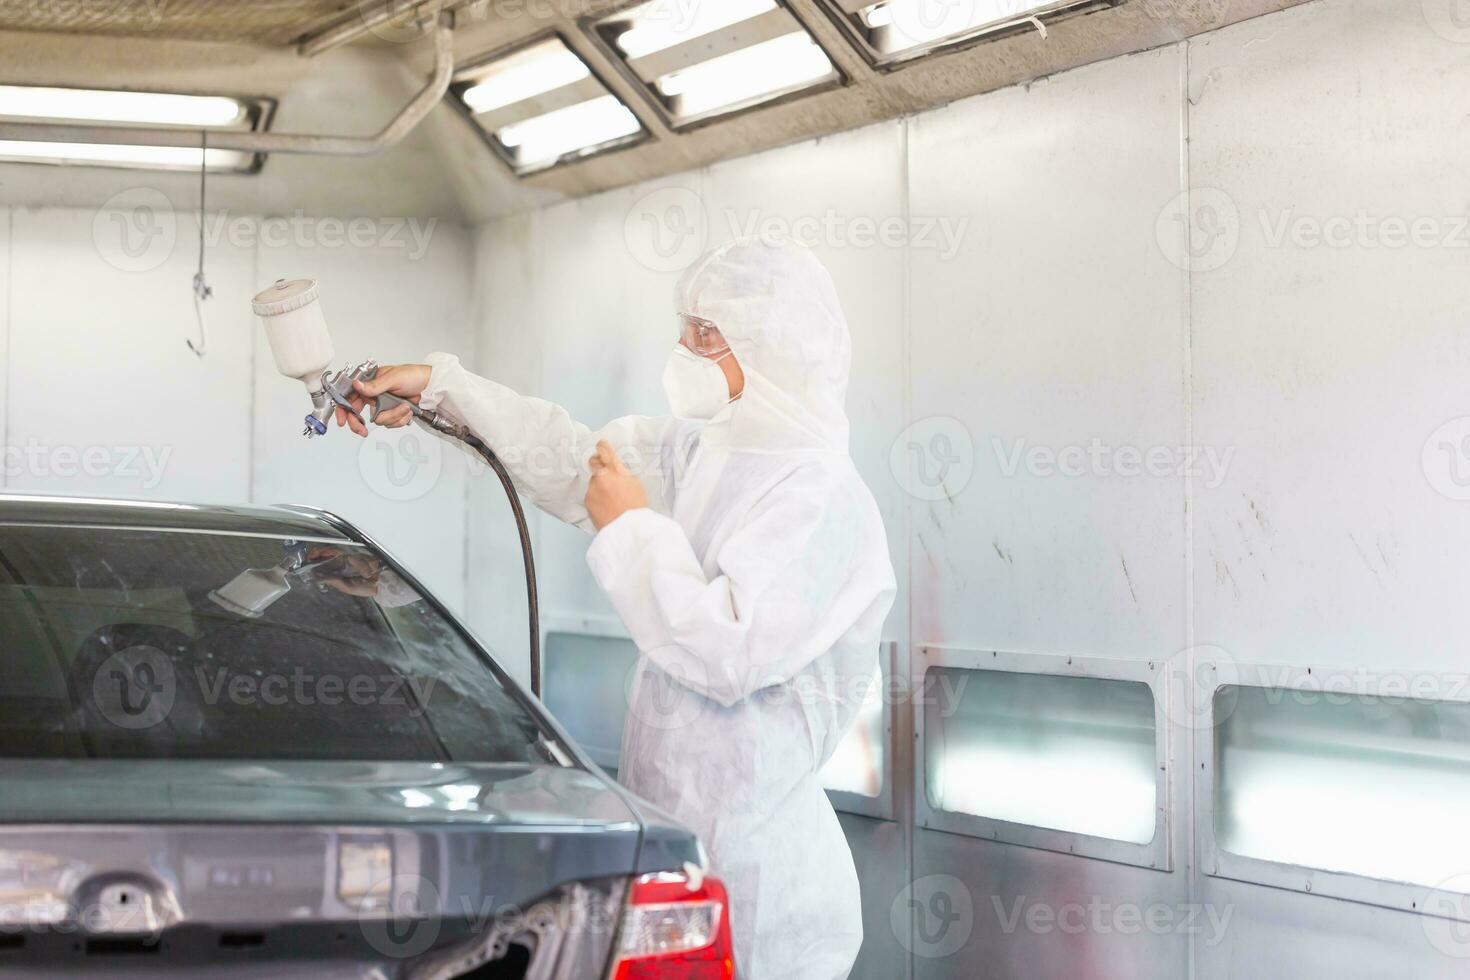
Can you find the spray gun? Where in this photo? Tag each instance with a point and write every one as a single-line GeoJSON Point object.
{"type": "Point", "coordinates": [296, 329]}
{"type": "Point", "coordinates": [297, 333]}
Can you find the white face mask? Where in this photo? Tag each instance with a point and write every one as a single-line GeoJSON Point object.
{"type": "Point", "coordinates": [695, 386]}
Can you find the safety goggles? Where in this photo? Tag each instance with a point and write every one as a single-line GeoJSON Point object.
{"type": "Point", "coordinates": [701, 336]}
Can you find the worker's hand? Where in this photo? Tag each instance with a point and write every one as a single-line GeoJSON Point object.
{"type": "Point", "coordinates": [613, 490]}
{"type": "Point", "coordinates": [407, 381]}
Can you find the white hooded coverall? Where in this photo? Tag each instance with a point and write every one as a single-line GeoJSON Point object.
{"type": "Point", "coordinates": [755, 585]}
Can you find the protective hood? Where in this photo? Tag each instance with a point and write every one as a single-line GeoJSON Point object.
{"type": "Point", "coordinates": [777, 307]}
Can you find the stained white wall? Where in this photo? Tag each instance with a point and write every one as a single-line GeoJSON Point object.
{"type": "Point", "coordinates": [1167, 435]}
{"type": "Point", "coordinates": [102, 397]}
{"type": "Point", "coordinates": [1334, 367]}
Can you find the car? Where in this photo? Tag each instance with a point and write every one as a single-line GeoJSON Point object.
{"type": "Point", "coordinates": [245, 742]}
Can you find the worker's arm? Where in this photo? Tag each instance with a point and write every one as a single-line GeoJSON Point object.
{"type": "Point", "coordinates": [773, 603]}
{"type": "Point", "coordinates": [543, 447]}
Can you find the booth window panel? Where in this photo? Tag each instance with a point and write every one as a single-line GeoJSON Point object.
{"type": "Point", "coordinates": [857, 766]}
{"type": "Point", "coordinates": [584, 681]}
{"type": "Point", "coordinates": [1360, 784]}
{"type": "Point", "coordinates": [1074, 754]}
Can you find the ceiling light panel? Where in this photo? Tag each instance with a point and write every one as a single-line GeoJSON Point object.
{"type": "Point", "coordinates": [108, 107]}
{"type": "Point", "coordinates": [539, 105]}
{"type": "Point", "coordinates": [892, 32]}
{"type": "Point", "coordinates": [702, 61]}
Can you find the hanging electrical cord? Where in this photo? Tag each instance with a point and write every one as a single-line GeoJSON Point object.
{"type": "Point", "coordinates": [202, 290]}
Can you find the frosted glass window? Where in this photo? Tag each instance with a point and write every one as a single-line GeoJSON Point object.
{"type": "Point", "coordinates": [1375, 786]}
{"type": "Point", "coordinates": [1075, 754]}
{"type": "Point", "coordinates": [583, 684]}
{"type": "Point", "coordinates": [858, 764]}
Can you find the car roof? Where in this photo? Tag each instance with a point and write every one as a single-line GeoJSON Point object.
{"type": "Point", "coordinates": [283, 520]}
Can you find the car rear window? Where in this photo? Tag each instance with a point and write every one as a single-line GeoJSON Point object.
{"type": "Point", "coordinates": [149, 643]}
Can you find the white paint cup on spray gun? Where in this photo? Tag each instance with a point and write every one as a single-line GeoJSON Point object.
{"type": "Point", "coordinates": [297, 333]}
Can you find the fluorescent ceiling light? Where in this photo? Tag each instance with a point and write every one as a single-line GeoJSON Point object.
{"type": "Point", "coordinates": [144, 157]}
{"type": "Point", "coordinates": [541, 105]}
{"type": "Point", "coordinates": [40, 104]}
{"type": "Point", "coordinates": [915, 22]}
{"type": "Point", "coordinates": [662, 24]}
{"type": "Point", "coordinates": [94, 105]}
{"type": "Point", "coordinates": [697, 61]}
{"type": "Point", "coordinates": [771, 66]}
{"type": "Point", "coordinates": [534, 71]}
{"type": "Point", "coordinates": [541, 140]}
{"type": "Point", "coordinates": [896, 30]}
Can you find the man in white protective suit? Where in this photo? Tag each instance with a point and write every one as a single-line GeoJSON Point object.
{"type": "Point", "coordinates": [747, 559]}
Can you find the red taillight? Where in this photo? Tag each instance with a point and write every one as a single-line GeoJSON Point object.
{"type": "Point", "coordinates": [673, 930]}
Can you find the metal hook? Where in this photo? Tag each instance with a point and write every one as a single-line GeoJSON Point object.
{"type": "Point", "coordinates": [202, 290]}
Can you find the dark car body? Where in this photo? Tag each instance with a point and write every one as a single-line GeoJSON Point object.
{"type": "Point", "coordinates": [248, 838]}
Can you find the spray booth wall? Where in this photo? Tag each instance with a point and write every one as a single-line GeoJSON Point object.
{"type": "Point", "coordinates": [102, 397]}
{"type": "Point", "coordinates": [1252, 244]}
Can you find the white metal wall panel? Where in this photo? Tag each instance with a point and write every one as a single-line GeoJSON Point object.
{"type": "Point", "coordinates": [1056, 327]}
{"type": "Point", "coordinates": [1330, 354]}
{"type": "Point", "coordinates": [105, 398]}
{"type": "Point", "coordinates": [1055, 333]}
{"type": "Point", "coordinates": [1333, 369]}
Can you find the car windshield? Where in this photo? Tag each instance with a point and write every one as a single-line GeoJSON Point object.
{"type": "Point", "coordinates": [157, 643]}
